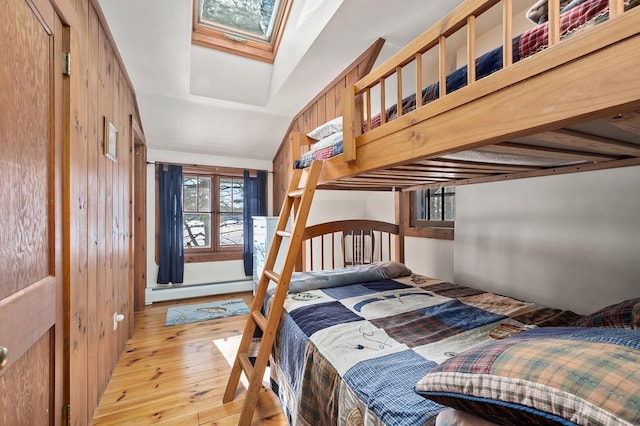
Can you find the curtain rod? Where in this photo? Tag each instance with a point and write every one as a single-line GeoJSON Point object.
{"type": "Point", "coordinates": [199, 165]}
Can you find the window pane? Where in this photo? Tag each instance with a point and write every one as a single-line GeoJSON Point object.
{"type": "Point", "coordinates": [226, 193]}
{"type": "Point", "coordinates": [190, 193]}
{"type": "Point", "coordinates": [231, 195]}
{"type": "Point", "coordinates": [238, 195]}
{"type": "Point", "coordinates": [450, 207]}
{"type": "Point", "coordinates": [256, 17]}
{"type": "Point", "coordinates": [421, 204]}
{"type": "Point", "coordinates": [435, 207]}
{"type": "Point", "coordinates": [231, 229]}
{"type": "Point", "coordinates": [196, 230]}
{"type": "Point", "coordinates": [450, 203]}
{"type": "Point", "coordinates": [204, 194]}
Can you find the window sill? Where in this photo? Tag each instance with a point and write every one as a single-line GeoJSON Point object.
{"type": "Point", "coordinates": [212, 257]}
{"type": "Point", "coordinates": [429, 232]}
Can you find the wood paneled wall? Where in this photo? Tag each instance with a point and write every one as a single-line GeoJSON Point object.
{"type": "Point", "coordinates": [99, 210]}
{"type": "Point", "coordinates": [325, 106]}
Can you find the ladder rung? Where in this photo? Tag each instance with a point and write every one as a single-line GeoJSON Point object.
{"type": "Point", "coordinates": [260, 320]}
{"type": "Point", "coordinates": [272, 276]}
{"type": "Point", "coordinates": [285, 234]}
{"type": "Point", "coordinates": [247, 367]}
{"type": "Point", "coordinates": [296, 193]}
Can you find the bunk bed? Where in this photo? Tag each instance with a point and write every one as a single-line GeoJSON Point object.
{"type": "Point", "coordinates": [562, 97]}
{"type": "Point", "coordinates": [567, 104]}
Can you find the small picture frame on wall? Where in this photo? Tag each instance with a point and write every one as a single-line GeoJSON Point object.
{"type": "Point", "coordinates": [110, 140]}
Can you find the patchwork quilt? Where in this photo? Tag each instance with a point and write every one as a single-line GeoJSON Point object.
{"type": "Point", "coordinates": [357, 351]}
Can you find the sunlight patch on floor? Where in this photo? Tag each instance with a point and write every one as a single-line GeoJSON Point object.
{"type": "Point", "coordinates": [228, 347]}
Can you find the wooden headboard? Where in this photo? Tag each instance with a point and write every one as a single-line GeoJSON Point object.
{"type": "Point", "coordinates": [342, 243]}
{"type": "Point", "coordinates": [325, 106]}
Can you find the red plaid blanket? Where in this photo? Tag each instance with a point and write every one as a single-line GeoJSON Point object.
{"type": "Point", "coordinates": [537, 38]}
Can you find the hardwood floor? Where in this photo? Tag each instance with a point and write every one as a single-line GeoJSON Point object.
{"type": "Point", "coordinates": [177, 375]}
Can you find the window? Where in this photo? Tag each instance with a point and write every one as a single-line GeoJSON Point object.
{"type": "Point", "coordinates": [212, 210]}
{"type": "Point", "coordinates": [434, 207]}
{"type": "Point", "coordinates": [200, 218]}
{"type": "Point", "coordinates": [212, 214]}
{"type": "Point", "coordinates": [250, 28]}
{"type": "Point", "coordinates": [429, 213]}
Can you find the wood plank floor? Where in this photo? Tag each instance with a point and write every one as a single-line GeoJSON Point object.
{"type": "Point", "coordinates": [177, 375]}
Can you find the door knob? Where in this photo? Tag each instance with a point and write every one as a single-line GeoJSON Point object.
{"type": "Point", "coordinates": [4, 356]}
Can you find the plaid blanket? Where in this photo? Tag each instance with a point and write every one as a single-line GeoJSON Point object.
{"type": "Point", "coordinates": [361, 348]}
{"type": "Point", "coordinates": [553, 375]}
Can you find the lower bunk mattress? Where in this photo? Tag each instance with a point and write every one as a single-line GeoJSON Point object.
{"type": "Point", "coordinates": [352, 355]}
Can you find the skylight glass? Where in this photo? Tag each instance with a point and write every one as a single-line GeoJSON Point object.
{"type": "Point", "coordinates": [242, 19]}
{"type": "Point", "coordinates": [249, 28]}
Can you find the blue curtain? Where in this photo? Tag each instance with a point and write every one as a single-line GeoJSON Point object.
{"type": "Point", "coordinates": [255, 204]}
{"type": "Point", "coordinates": [171, 268]}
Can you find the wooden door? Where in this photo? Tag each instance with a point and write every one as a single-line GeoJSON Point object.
{"type": "Point", "coordinates": [31, 382]}
{"type": "Point", "coordinates": [140, 223]}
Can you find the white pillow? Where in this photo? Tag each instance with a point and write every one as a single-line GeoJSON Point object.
{"type": "Point", "coordinates": [326, 129]}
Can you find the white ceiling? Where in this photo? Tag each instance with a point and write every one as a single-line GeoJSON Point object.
{"type": "Point", "coordinates": [198, 100]}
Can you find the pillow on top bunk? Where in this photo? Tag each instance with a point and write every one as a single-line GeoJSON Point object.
{"type": "Point", "coordinates": [621, 315]}
{"type": "Point", "coordinates": [548, 375]}
{"type": "Point", "coordinates": [314, 280]}
{"type": "Point", "coordinates": [326, 129]}
{"type": "Point", "coordinates": [539, 12]}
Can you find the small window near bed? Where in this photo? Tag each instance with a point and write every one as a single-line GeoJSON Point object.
{"type": "Point", "coordinates": [435, 207]}
{"type": "Point", "coordinates": [430, 213]}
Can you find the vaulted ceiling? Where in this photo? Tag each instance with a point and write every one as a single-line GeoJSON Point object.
{"type": "Point", "coordinates": [198, 100]}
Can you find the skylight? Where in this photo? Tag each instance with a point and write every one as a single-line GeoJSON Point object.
{"type": "Point", "coordinates": [250, 28]}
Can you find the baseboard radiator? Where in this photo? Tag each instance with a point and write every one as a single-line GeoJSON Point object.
{"type": "Point", "coordinates": [163, 294]}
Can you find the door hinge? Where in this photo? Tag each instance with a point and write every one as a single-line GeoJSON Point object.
{"type": "Point", "coordinates": [66, 63]}
{"type": "Point", "coordinates": [66, 415]}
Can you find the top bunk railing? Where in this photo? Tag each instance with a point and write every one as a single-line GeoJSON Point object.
{"type": "Point", "coordinates": [360, 98]}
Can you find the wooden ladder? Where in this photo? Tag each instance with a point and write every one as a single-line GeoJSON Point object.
{"type": "Point", "coordinates": [299, 196]}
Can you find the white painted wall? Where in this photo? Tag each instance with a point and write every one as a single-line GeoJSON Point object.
{"type": "Point", "coordinates": [430, 257]}
{"type": "Point", "coordinates": [567, 241]}
{"type": "Point", "coordinates": [337, 205]}
{"type": "Point", "coordinates": [200, 272]}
